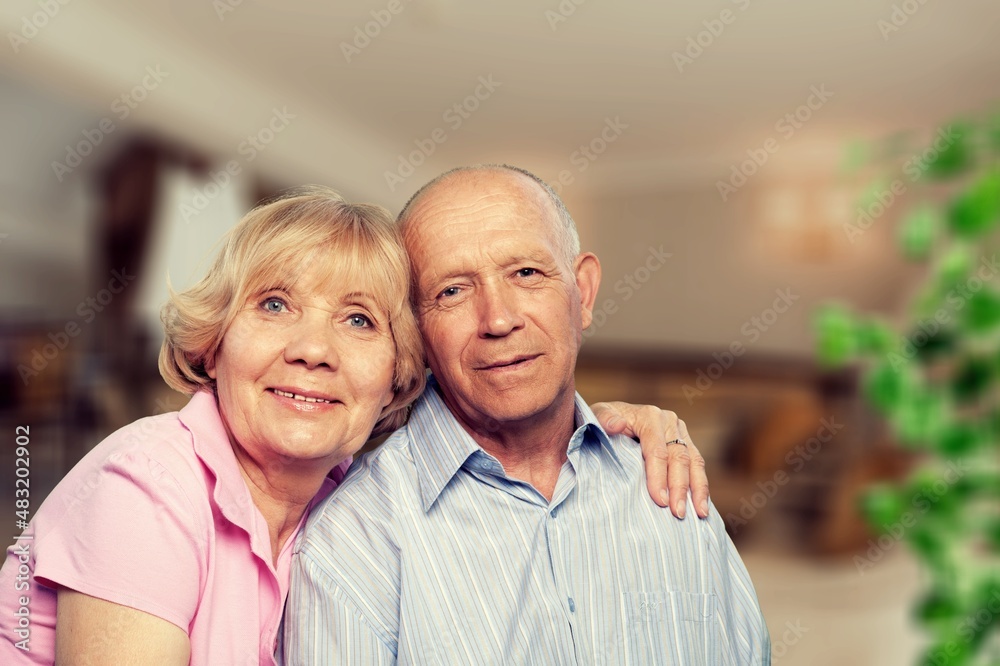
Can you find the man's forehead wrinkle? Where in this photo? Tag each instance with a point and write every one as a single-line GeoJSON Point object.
{"type": "Point", "coordinates": [454, 208]}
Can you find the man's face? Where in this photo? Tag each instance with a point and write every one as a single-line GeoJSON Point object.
{"type": "Point", "coordinates": [501, 312]}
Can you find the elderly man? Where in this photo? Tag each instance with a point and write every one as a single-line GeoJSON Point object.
{"type": "Point", "coordinates": [503, 524]}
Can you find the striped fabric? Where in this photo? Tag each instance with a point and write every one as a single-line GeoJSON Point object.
{"type": "Point", "coordinates": [428, 554]}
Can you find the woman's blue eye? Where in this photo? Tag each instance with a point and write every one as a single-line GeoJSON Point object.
{"type": "Point", "coordinates": [450, 291]}
{"type": "Point", "coordinates": [274, 305]}
{"type": "Point", "coordinates": [359, 321]}
{"type": "Point", "coordinates": [526, 272]}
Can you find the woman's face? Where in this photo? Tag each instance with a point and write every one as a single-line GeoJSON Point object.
{"type": "Point", "coordinates": [303, 373]}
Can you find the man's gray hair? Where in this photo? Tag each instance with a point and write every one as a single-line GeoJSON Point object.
{"type": "Point", "coordinates": [570, 239]}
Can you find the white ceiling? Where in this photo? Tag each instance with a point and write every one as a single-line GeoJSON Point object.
{"type": "Point", "coordinates": [557, 86]}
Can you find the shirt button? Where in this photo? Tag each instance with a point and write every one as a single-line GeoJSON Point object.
{"type": "Point", "coordinates": [572, 604]}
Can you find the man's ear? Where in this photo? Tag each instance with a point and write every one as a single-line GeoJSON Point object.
{"type": "Point", "coordinates": [588, 279]}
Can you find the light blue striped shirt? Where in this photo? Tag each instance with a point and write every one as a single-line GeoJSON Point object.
{"type": "Point", "coordinates": [428, 554]}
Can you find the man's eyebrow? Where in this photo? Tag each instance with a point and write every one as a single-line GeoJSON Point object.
{"type": "Point", "coordinates": [434, 281]}
{"type": "Point", "coordinates": [538, 257]}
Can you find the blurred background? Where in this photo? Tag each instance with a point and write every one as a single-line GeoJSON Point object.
{"type": "Point", "coordinates": [699, 146]}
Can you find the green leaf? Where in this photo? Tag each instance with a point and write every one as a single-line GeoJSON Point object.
{"type": "Point", "coordinates": [919, 418]}
{"type": "Point", "coordinates": [993, 131]}
{"type": "Point", "coordinates": [927, 542]}
{"type": "Point", "coordinates": [954, 266]}
{"type": "Point", "coordinates": [918, 232]}
{"type": "Point", "coordinates": [950, 152]}
{"type": "Point", "coordinates": [874, 337]}
{"type": "Point", "coordinates": [983, 311]}
{"type": "Point", "coordinates": [958, 440]}
{"type": "Point", "coordinates": [950, 650]}
{"type": "Point", "coordinates": [978, 209]}
{"type": "Point", "coordinates": [938, 605]}
{"type": "Point", "coordinates": [885, 387]}
{"type": "Point", "coordinates": [882, 506]}
{"type": "Point", "coordinates": [993, 534]}
{"type": "Point", "coordinates": [838, 341]}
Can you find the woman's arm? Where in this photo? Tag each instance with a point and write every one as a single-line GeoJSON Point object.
{"type": "Point", "coordinates": [676, 467]}
{"type": "Point", "coordinates": [94, 631]}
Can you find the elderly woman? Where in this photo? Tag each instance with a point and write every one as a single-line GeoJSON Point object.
{"type": "Point", "coordinates": [170, 542]}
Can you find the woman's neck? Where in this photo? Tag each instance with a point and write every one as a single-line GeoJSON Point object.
{"type": "Point", "coordinates": [281, 493]}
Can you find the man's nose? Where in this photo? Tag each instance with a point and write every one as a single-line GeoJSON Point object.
{"type": "Point", "coordinates": [499, 314]}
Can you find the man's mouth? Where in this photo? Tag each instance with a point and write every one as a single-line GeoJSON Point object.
{"type": "Point", "coordinates": [507, 363]}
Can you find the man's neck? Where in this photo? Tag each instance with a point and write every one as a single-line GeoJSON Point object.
{"type": "Point", "coordinates": [533, 450]}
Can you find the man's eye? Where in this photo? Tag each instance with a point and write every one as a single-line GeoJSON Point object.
{"type": "Point", "coordinates": [527, 272]}
{"type": "Point", "coordinates": [274, 305]}
{"type": "Point", "coordinates": [360, 321]}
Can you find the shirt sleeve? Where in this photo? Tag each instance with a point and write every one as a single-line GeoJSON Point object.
{"type": "Point", "coordinates": [322, 626]}
{"type": "Point", "coordinates": [743, 620]}
{"type": "Point", "coordinates": [128, 534]}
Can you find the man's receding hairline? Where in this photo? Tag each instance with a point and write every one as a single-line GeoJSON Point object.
{"type": "Point", "coordinates": [450, 174]}
{"type": "Point", "coordinates": [567, 228]}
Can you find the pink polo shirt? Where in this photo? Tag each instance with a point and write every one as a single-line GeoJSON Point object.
{"type": "Point", "coordinates": [157, 518]}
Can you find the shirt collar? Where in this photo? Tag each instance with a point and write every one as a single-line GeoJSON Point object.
{"type": "Point", "coordinates": [203, 420]}
{"type": "Point", "coordinates": [441, 446]}
{"type": "Point", "coordinates": [590, 432]}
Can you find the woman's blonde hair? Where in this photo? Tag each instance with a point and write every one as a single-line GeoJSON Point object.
{"type": "Point", "coordinates": [263, 251]}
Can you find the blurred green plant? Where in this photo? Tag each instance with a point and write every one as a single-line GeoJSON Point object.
{"type": "Point", "coordinates": [937, 380]}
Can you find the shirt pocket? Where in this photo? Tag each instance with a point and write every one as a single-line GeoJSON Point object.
{"type": "Point", "coordinates": [671, 628]}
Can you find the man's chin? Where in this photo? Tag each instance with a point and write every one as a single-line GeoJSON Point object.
{"type": "Point", "coordinates": [508, 410]}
